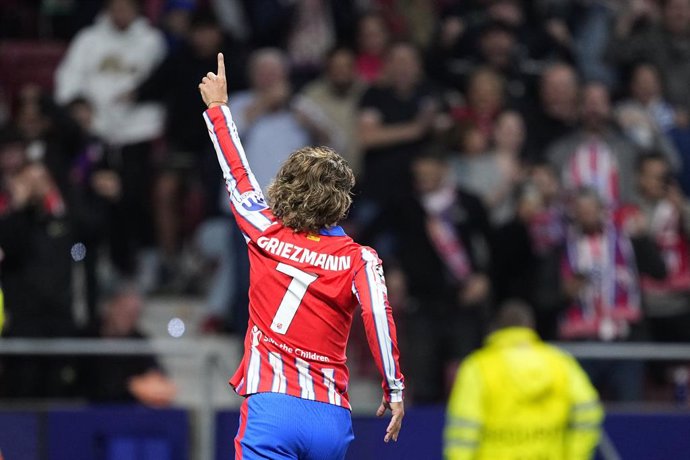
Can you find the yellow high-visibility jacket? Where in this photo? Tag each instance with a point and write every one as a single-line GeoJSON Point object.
{"type": "Point", "coordinates": [518, 398]}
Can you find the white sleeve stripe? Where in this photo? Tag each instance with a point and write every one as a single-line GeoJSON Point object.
{"type": "Point", "coordinates": [230, 180]}
{"type": "Point", "coordinates": [235, 137]}
{"type": "Point", "coordinates": [256, 219]}
{"type": "Point", "coordinates": [373, 295]}
{"type": "Point", "coordinates": [378, 307]}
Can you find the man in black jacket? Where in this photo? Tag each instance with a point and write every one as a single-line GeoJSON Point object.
{"type": "Point", "coordinates": [35, 240]}
{"type": "Point", "coordinates": [440, 243]}
{"type": "Point", "coordinates": [528, 250]}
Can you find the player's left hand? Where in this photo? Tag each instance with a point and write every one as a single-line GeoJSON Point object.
{"type": "Point", "coordinates": [398, 411]}
{"type": "Point", "coordinates": [214, 87]}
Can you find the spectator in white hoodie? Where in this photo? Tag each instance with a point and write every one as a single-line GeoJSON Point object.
{"type": "Point", "coordinates": [108, 59]}
{"type": "Point", "coordinates": [104, 62]}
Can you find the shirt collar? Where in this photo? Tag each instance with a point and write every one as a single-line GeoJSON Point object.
{"type": "Point", "coordinates": [332, 231]}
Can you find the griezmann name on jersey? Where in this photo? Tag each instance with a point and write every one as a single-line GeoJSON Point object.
{"type": "Point", "coordinates": [304, 289]}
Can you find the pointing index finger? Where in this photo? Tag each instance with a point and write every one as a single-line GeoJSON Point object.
{"type": "Point", "coordinates": [221, 65]}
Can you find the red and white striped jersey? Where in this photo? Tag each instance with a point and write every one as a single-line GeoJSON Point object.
{"type": "Point", "coordinates": [303, 291]}
{"type": "Point", "coordinates": [594, 165]}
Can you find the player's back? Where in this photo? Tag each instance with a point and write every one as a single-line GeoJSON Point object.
{"type": "Point", "coordinates": [301, 301]}
{"type": "Point", "coordinates": [301, 286]}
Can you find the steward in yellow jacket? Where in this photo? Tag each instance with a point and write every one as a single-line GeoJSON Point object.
{"type": "Point", "coordinates": [518, 398]}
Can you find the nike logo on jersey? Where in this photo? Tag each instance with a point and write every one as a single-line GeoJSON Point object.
{"type": "Point", "coordinates": [302, 255]}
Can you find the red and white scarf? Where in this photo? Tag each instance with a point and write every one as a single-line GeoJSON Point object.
{"type": "Point", "coordinates": [443, 234]}
{"type": "Point", "coordinates": [610, 300]}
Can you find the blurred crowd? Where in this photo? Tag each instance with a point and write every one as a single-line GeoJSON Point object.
{"type": "Point", "coordinates": [505, 149]}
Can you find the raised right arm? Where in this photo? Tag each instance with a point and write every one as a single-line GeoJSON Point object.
{"type": "Point", "coordinates": [246, 199]}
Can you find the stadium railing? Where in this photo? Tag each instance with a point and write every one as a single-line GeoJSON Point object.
{"type": "Point", "coordinates": [206, 353]}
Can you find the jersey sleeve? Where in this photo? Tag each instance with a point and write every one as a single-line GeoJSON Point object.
{"type": "Point", "coordinates": [586, 415]}
{"type": "Point", "coordinates": [465, 414]}
{"type": "Point", "coordinates": [369, 286]}
{"type": "Point", "coordinates": [246, 199]}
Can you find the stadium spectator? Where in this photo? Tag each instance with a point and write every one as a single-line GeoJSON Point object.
{"type": "Point", "coordinates": [35, 240]}
{"type": "Point", "coordinates": [176, 21]}
{"type": "Point", "coordinates": [680, 135]}
{"type": "Point", "coordinates": [595, 155]}
{"type": "Point", "coordinates": [51, 137]}
{"type": "Point", "coordinates": [556, 112]}
{"type": "Point", "coordinates": [591, 36]}
{"type": "Point", "coordinates": [214, 242]}
{"type": "Point", "coordinates": [329, 104]}
{"type": "Point", "coordinates": [484, 100]}
{"type": "Point", "coordinates": [188, 186]}
{"type": "Point", "coordinates": [441, 239]}
{"type": "Point", "coordinates": [95, 192]}
{"type": "Point", "coordinates": [108, 59]}
{"type": "Point", "coordinates": [665, 43]}
{"type": "Point", "coordinates": [528, 251]}
{"type": "Point", "coordinates": [122, 379]}
{"type": "Point", "coordinates": [453, 61]}
{"type": "Point", "coordinates": [105, 61]}
{"type": "Point", "coordinates": [415, 19]}
{"type": "Point", "coordinates": [232, 17]}
{"type": "Point", "coordinates": [518, 397]}
{"type": "Point", "coordinates": [263, 116]}
{"type": "Point", "coordinates": [512, 37]}
{"type": "Point", "coordinates": [600, 276]}
{"type": "Point", "coordinates": [395, 119]}
{"type": "Point", "coordinates": [646, 90]}
{"type": "Point", "coordinates": [305, 29]}
{"type": "Point", "coordinates": [372, 44]}
{"type": "Point", "coordinates": [663, 214]}
{"type": "Point", "coordinates": [493, 175]}
{"type": "Point", "coordinates": [311, 34]}
{"type": "Point", "coordinates": [645, 118]}
{"type": "Point", "coordinates": [4, 106]}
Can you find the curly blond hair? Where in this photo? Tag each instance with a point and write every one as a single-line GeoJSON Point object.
{"type": "Point", "coordinates": [312, 189]}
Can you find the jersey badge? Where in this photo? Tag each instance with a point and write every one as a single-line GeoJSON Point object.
{"type": "Point", "coordinates": [253, 201]}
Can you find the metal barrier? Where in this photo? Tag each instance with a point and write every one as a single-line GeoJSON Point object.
{"type": "Point", "coordinates": [203, 351]}
{"type": "Point", "coordinates": [208, 354]}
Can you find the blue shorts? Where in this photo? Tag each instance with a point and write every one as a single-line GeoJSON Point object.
{"type": "Point", "coordinates": [281, 427]}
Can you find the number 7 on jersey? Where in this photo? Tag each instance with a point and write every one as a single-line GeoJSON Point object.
{"type": "Point", "coordinates": [292, 298]}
